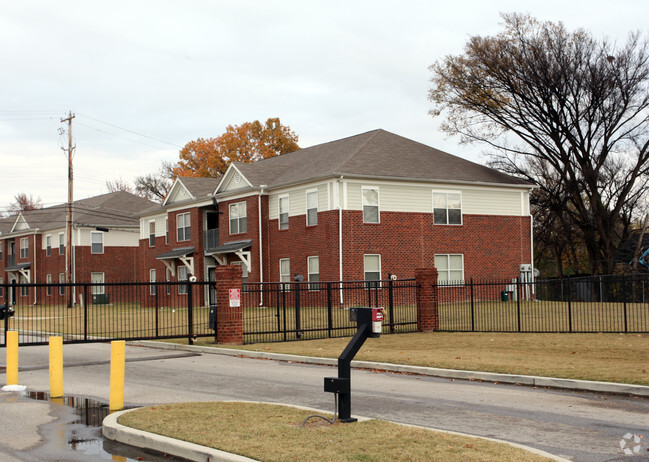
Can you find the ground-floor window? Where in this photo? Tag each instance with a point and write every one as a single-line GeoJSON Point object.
{"type": "Point", "coordinates": [48, 281]}
{"type": "Point", "coordinates": [152, 280]}
{"type": "Point", "coordinates": [372, 265]}
{"type": "Point", "coordinates": [313, 264]}
{"type": "Point", "coordinates": [450, 268]}
{"type": "Point", "coordinates": [97, 279]}
{"type": "Point", "coordinates": [183, 275]}
{"type": "Point", "coordinates": [285, 272]}
{"type": "Point", "coordinates": [24, 290]}
{"type": "Point", "coordinates": [61, 281]}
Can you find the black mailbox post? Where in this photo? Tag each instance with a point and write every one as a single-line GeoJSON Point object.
{"type": "Point", "coordinates": [369, 321]}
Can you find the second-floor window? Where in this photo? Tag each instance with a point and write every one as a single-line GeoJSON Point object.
{"type": "Point", "coordinates": [152, 234]}
{"type": "Point", "coordinates": [238, 219]}
{"type": "Point", "coordinates": [447, 208]}
{"type": "Point", "coordinates": [96, 242]}
{"type": "Point", "coordinates": [24, 247]}
{"type": "Point", "coordinates": [370, 204]}
{"type": "Point", "coordinates": [183, 227]}
{"type": "Point", "coordinates": [48, 245]}
{"type": "Point", "coordinates": [312, 208]}
{"type": "Point", "coordinates": [283, 212]}
{"type": "Point", "coordinates": [61, 244]}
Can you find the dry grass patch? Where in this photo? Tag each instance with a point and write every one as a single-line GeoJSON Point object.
{"type": "Point", "coordinates": [273, 433]}
{"type": "Point", "coordinates": [621, 358]}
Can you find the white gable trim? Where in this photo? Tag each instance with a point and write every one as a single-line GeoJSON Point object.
{"type": "Point", "coordinates": [177, 188]}
{"type": "Point", "coordinates": [231, 174]}
{"type": "Point", "coordinates": [20, 224]}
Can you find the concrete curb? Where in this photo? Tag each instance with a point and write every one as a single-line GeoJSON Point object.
{"type": "Point", "coordinates": [190, 451]}
{"type": "Point", "coordinates": [529, 380]}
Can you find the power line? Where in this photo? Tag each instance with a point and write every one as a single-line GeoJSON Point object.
{"type": "Point", "coordinates": [129, 131]}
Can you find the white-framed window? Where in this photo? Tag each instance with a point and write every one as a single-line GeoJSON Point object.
{"type": "Point", "coordinates": [238, 218]}
{"type": "Point", "coordinates": [285, 272]}
{"type": "Point", "coordinates": [61, 281]}
{"type": "Point", "coordinates": [152, 280]}
{"type": "Point", "coordinates": [48, 245]}
{"type": "Point", "coordinates": [2, 292]}
{"type": "Point", "coordinates": [447, 207]}
{"type": "Point", "coordinates": [167, 230]}
{"type": "Point", "coordinates": [372, 270]}
{"type": "Point", "coordinates": [183, 275]}
{"type": "Point", "coordinates": [24, 247]}
{"type": "Point", "coordinates": [152, 233]}
{"type": "Point", "coordinates": [24, 290]}
{"type": "Point", "coordinates": [61, 243]}
{"type": "Point", "coordinates": [313, 268]}
{"type": "Point", "coordinates": [244, 274]}
{"type": "Point", "coordinates": [96, 242]}
{"type": "Point", "coordinates": [450, 268]}
{"type": "Point", "coordinates": [168, 278]}
{"type": "Point", "coordinates": [183, 227]}
{"type": "Point", "coordinates": [312, 207]}
{"type": "Point", "coordinates": [97, 278]}
{"type": "Point", "coordinates": [283, 212]}
{"type": "Point", "coordinates": [370, 204]}
{"type": "Point", "coordinates": [48, 281]}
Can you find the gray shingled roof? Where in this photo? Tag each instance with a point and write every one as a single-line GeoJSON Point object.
{"type": "Point", "coordinates": [377, 153]}
{"type": "Point", "coordinates": [200, 188]}
{"type": "Point", "coordinates": [113, 209]}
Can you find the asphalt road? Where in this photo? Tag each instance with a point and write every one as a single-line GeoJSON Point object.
{"type": "Point", "coordinates": [579, 426]}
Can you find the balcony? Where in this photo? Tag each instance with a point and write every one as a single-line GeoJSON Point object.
{"type": "Point", "coordinates": [211, 238]}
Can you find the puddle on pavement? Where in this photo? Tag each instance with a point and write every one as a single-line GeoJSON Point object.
{"type": "Point", "coordinates": [84, 434]}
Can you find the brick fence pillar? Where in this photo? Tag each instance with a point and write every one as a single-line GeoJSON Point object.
{"type": "Point", "coordinates": [229, 319]}
{"type": "Point", "coordinates": [427, 299]}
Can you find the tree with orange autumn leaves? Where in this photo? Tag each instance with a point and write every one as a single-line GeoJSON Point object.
{"type": "Point", "coordinates": [248, 142]}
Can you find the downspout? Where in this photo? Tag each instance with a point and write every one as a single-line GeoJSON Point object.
{"type": "Point", "coordinates": [261, 248]}
{"type": "Point", "coordinates": [34, 276]}
{"type": "Point", "coordinates": [340, 239]}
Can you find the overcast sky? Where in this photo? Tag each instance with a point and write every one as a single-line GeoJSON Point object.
{"type": "Point", "coordinates": [144, 78]}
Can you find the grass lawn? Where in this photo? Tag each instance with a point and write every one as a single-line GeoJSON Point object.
{"type": "Point", "coordinates": [274, 433]}
{"type": "Point", "coordinates": [622, 358]}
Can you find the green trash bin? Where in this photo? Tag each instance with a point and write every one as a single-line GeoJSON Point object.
{"type": "Point", "coordinates": [504, 296]}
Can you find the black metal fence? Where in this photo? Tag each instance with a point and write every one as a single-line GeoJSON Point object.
{"type": "Point", "coordinates": [279, 312]}
{"type": "Point", "coordinates": [589, 304]}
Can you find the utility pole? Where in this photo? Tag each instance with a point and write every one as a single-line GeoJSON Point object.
{"type": "Point", "coordinates": [68, 225]}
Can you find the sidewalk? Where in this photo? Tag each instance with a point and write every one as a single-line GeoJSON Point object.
{"type": "Point", "coordinates": [528, 380]}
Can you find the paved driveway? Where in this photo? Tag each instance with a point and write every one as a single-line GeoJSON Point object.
{"type": "Point", "coordinates": [577, 425]}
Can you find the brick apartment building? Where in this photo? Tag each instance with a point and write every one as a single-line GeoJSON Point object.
{"type": "Point", "coordinates": [105, 239]}
{"type": "Point", "coordinates": [354, 209]}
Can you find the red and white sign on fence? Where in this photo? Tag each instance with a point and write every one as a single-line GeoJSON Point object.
{"type": "Point", "coordinates": [235, 298]}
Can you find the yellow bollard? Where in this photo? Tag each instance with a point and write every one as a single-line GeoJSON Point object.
{"type": "Point", "coordinates": [117, 364]}
{"type": "Point", "coordinates": [56, 367]}
{"type": "Point", "coordinates": [12, 357]}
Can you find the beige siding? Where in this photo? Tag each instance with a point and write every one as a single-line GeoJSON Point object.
{"type": "Point", "coordinates": [419, 198]}
{"type": "Point", "coordinates": [297, 200]}
{"type": "Point", "coordinates": [114, 238]}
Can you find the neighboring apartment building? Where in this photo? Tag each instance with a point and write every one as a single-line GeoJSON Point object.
{"type": "Point", "coordinates": [358, 208]}
{"type": "Point", "coordinates": [105, 239]}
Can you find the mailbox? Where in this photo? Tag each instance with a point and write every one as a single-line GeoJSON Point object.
{"type": "Point", "coordinates": [378, 315]}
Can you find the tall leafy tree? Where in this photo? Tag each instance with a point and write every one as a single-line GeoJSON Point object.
{"type": "Point", "coordinates": [248, 142]}
{"type": "Point", "coordinates": [536, 91]}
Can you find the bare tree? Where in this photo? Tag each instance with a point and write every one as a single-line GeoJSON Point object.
{"type": "Point", "coordinates": [537, 91]}
{"type": "Point", "coordinates": [154, 186]}
{"type": "Point", "coordinates": [118, 185]}
{"type": "Point", "coordinates": [24, 203]}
